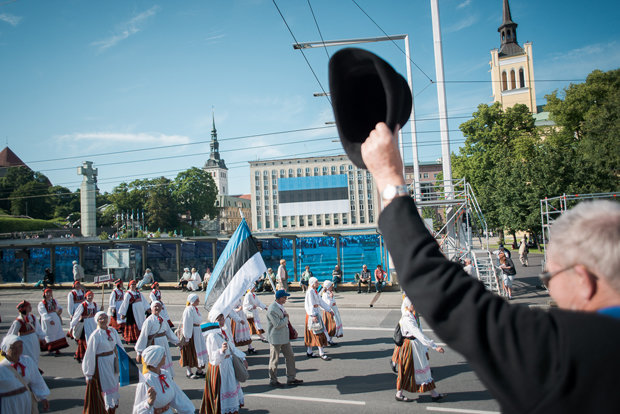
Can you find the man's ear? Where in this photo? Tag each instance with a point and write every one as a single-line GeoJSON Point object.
{"type": "Point", "coordinates": [586, 282]}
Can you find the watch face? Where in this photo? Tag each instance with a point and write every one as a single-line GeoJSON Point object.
{"type": "Point", "coordinates": [389, 192]}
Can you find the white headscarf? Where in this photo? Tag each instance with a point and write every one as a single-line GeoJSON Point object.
{"type": "Point", "coordinates": [153, 355]}
{"type": "Point", "coordinates": [312, 281]}
{"type": "Point", "coordinates": [155, 302]}
{"type": "Point", "coordinates": [191, 298]}
{"type": "Point", "coordinates": [98, 314]}
{"type": "Point", "coordinates": [8, 341]}
{"type": "Point", "coordinates": [214, 313]}
{"type": "Point", "coordinates": [327, 284]}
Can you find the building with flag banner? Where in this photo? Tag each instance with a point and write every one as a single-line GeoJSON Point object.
{"type": "Point", "coordinates": [309, 194]}
{"type": "Point", "coordinates": [237, 268]}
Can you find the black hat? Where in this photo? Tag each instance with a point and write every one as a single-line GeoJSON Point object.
{"type": "Point", "coordinates": [365, 90]}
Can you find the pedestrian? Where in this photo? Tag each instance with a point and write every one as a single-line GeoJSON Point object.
{"type": "Point", "coordinates": [508, 272]}
{"type": "Point", "coordinates": [468, 267]}
{"type": "Point", "coordinates": [282, 276]}
{"type": "Point", "coordinates": [147, 279]}
{"type": "Point", "coordinates": [314, 333]}
{"type": "Point", "coordinates": [414, 372]}
{"type": "Point", "coordinates": [364, 279]}
{"type": "Point", "coordinates": [331, 320]}
{"type": "Point", "coordinates": [251, 305]}
{"type": "Point", "coordinates": [195, 281]}
{"type": "Point", "coordinates": [523, 252]}
{"type": "Point", "coordinates": [75, 297]}
{"type": "Point", "coordinates": [78, 272]}
{"type": "Point", "coordinates": [155, 296]}
{"type": "Point", "coordinates": [222, 393]}
{"type": "Point", "coordinates": [379, 278]}
{"type": "Point", "coordinates": [114, 305]}
{"type": "Point", "coordinates": [20, 379]}
{"type": "Point", "coordinates": [48, 278]}
{"type": "Point", "coordinates": [27, 327]}
{"type": "Point", "coordinates": [305, 277]}
{"type": "Point", "coordinates": [193, 349]}
{"type": "Point", "coordinates": [51, 323]}
{"type": "Point", "coordinates": [185, 278]}
{"type": "Point", "coordinates": [260, 283]}
{"type": "Point", "coordinates": [156, 331]}
{"type": "Point", "coordinates": [240, 328]}
{"type": "Point", "coordinates": [132, 313]}
{"type": "Point", "coordinates": [83, 324]}
{"type": "Point", "coordinates": [565, 374]}
{"type": "Point", "coordinates": [100, 368]}
{"type": "Point", "coordinates": [280, 341]}
{"type": "Point", "coordinates": [158, 393]}
{"type": "Point", "coordinates": [336, 277]}
{"type": "Point", "coordinates": [205, 279]}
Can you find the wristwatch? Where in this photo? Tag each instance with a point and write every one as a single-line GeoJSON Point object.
{"type": "Point", "coordinates": [392, 191]}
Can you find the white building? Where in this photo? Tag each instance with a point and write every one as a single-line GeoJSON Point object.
{"type": "Point", "coordinates": [362, 193]}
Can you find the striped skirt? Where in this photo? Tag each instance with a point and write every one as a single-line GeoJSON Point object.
{"type": "Point", "coordinates": [93, 401]}
{"type": "Point", "coordinates": [330, 323]}
{"type": "Point", "coordinates": [81, 347]}
{"type": "Point", "coordinates": [188, 355]}
{"type": "Point", "coordinates": [312, 339]}
{"type": "Point", "coordinates": [211, 398]}
{"type": "Point", "coordinates": [413, 368]}
{"type": "Point", "coordinates": [57, 344]}
{"type": "Point", "coordinates": [131, 333]}
{"type": "Point", "coordinates": [253, 329]}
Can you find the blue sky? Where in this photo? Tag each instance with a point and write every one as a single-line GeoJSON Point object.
{"type": "Point", "coordinates": [80, 78]}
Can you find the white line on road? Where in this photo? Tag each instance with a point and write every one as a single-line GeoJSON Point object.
{"type": "Point", "coordinates": [325, 400]}
{"type": "Point", "coordinates": [362, 328]}
{"type": "Point", "coordinates": [460, 410]}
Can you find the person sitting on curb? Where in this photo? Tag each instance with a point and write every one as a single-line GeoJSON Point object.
{"type": "Point", "coordinates": [379, 278]}
{"type": "Point", "coordinates": [364, 279]}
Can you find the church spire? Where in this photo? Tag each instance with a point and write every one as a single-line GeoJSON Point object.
{"type": "Point", "coordinates": [508, 34]}
{"type": "Point", "coordinates": [215, 146]}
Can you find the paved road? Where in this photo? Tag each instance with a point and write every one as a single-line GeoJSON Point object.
{"type": "Point", "coordinates": [357, 379]}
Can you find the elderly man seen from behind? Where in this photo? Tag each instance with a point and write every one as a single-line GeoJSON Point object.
{"type": "Point", "coordinates": [532, 361]}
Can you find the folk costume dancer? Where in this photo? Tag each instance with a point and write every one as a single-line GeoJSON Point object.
{"type": "Point", "coordinates": [74, 298]}
{"type": "Point", "coordinates": [193, 349]}
{"type": "Point", "coordinates": [159, 394]}
{"type": "Point", "coordinates": [100, 368]}
{"type": "Point", "coordinates": [156, 331]}
{"type": "Point", "coordinates": [240, 328]}
{"type": "Point", "coordinates": [50, 311]}
{"type": "Point", "coordinates": [396, 353]}
{"type": "Point", "coordinates": [251, 305]}
{"type": "Point", "coordinates": [195, 281]}
{"type": "Point", "coordinates": [114, 305]}
{"type": "Point", "coordinates": [223, 392]}
{"type": "Point", "coordinates": [21, 383]}
{"type": "Point", "coordinates": [132, 313]}
{"type": "Point", "coordinates": [84, 320]}
{"type": "Point", "coordinates": [319, 337]}
{"type": "Point", "coordinates": [331, 320]}
{"type": "Point", "coordinates": [27, 327]}
{"type": "Point", "coordinates": [414, 371]}
{"type": "Point", "coordinates": [156, 296]}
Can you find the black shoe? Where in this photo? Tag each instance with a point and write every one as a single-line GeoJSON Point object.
{"type": "Point", "coordinates": [332, 343]}
{"type": "Point", "coordinates": [325, 358]}
{"type": "Point", "coordinates": [310, 355]}
{"type": "Point", "coordinates": [438, 397]}
{"type": "Point", "coordinates": [276, 384]}
{"type": "Point", "coordinates": [359, 291]}
{"type": "Point", "coordinates": [403, 398]}
{"type": "Point", "coordinates": [251, 351]}
{"type": "Point", "coordinates": [294, 382]}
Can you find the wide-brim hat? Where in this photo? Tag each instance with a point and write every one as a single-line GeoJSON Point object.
{"type": "Point", "coordinates": [365, 90]}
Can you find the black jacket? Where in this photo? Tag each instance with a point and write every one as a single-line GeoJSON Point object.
{"type": "Point", "coordinates": [532, 361]}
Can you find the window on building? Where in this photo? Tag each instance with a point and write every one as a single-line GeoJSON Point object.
{"type": "Point", "coordinates": [513, 80]}
{"type": "Point", "coordinates": [257, 192]}
{"type": "Point", "coordinates": [371, 218]}
{"type": "Point", "coordinates": [282, 173]}
{"type": "Point", "coordinates": [267, 224]}
{"type": "Point", "coordinates": [345, 220]}
{"type": "Point", "coordinates": [275, 192]}
{"type": "Point", "coordinates": [342, 168]}
{"type": "Point", "coordinates": [350, 166]}
{"type": "Point", "coordinates": [299, 171]}
{"type": "Point", "coordinates": [504, 81]}
{"type": "Point", "coordinates": [257, 173]}
{"type": "Point", "coordinates": [333, 169]}
{"type": "Point", "coordinates": [521, 78]}
{"type": "Point", "coordinates": [275, 210]}
{"type": "Point", "coordinates": [265, 173]}
{"type": "Point", "coordinates": [335, 219]}
{"type": "Point", "coordinates": [301, 222]}
{"type": "Point", "coordinates": [353, 219]}
{"type": "Point", "coordinates": [324, 170]}
{"type": "Point", "coordinates": [274, 182]}
{"type": "Point", "coordinates": [316, 170]}
{"type": "Point", "coordinates": [353, 206]}
{"type": "Point", "coordinates": [259, 213]}
{"type": "Point", "coordinates": [425, 175]}
{"type": "Point", "coordinates": [259, 224]}
{"type": "Point", "coordinates": [318, 220]}
{"type": "Point", "coordinates": [307, 171]}
{"type": "Point", "coordinates": [267, 209]}
{"type": "Point", "coordinates": [369, 206]}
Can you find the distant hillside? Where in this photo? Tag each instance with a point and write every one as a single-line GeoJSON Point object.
{"type": "Point", "coordinates": [10, 224]}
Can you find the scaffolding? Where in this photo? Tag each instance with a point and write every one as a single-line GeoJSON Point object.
{"type": "Point", "coordinates": [552, 207]}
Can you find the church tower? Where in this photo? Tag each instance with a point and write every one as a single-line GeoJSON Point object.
{"type": "Point", "coordinates": [512, 67]}
{"type": "Point", "coordinates": [215, 165]}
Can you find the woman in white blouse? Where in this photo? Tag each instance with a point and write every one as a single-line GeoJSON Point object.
{"type": "Point", "coordinates": [315, 334]}
{"type": "Point", "coordinates": [156, 331]}
{"type": "Point", "coordinates": [193, 349]}
{"type": "Point", "coordinates": [50, 311]}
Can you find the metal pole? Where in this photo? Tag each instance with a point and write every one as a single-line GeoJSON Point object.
{"type": "Point", "coordinates": [412, 124]}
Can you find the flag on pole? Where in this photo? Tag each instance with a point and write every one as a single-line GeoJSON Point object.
{"type": "Point", "coordinates": [239, 266]}
{"type": "Point", "coordinates": [128, 370]}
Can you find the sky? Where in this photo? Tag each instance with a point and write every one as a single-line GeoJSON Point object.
{"type": "Point", "coordinates": [82, 79]}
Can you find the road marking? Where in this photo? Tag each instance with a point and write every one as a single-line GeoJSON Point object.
{"type": "Point", "coordinates": [460, 410]}
{"type": "Point", "coordinates": [325, 400]}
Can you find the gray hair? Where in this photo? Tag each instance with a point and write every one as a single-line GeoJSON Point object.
{"type": "Point", "coordinates": [589, 234]}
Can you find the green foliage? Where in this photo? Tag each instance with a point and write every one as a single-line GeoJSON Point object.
{"type": "Point", "coordinates": [103, 235]}
{"type": "Point", "coordinates": [160, 205]}
{"type": "Point", "coordinates": [432, 213]}
{"type": "Point", "coordinates": [195, 191]}
{"type": "Point", "coordinates": [11, 224]}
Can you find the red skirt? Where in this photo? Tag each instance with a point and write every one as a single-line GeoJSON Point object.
{"type": "Point", "coordinates": [81, 349]}
{"type": "Point", "coordinates": [93, 400]}
{"type": "Point", "coordinates": [114, 323]}
{"type": "Point", "coordinates": [57, 344]}
{"type": "Point", "coordinates": [312, 339]}
{"type": "Point", "coordinates": [253, 329]}
{"type": "Point", "coordinates": [131, 333]}
{"type": "Point", "coordinates": [330, 323]}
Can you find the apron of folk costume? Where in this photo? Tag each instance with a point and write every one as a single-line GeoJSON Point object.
{"type": "Point", "coordinates": [14, 395]}
{"type": "Point", "coordinates": [241, 331]}
{"type": "Point", "coordinates": [191, 329]}
{"type": "Point", "coordinates": [101, 356]}
{"type": "Point", "coordinates": [156, 331]}
{"type": "Point", "coordinates": [29, 331]}
{"type": "Point", "coordinates": [335, 321]}
{"type": "Point", "coordinates": [250, 300]}
{"type": "Point", "coordinates": [168, 396]}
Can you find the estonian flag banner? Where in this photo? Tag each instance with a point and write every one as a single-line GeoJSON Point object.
{"type": "Point", "coordinates": [239, 266]}
{"type": "Point", "coordinates": [128, 370]}
{"type": "Point", "coordinates": [324, 194]}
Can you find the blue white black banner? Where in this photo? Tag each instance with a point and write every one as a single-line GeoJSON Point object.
{"type": "Point", "coordinates": [323, 194]}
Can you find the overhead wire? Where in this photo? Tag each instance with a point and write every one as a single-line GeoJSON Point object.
{"type": "Point", "coordinates": [316, 23]}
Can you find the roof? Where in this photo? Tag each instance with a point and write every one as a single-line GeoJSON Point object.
{"type": "Point", "coordinates": [9, 159]}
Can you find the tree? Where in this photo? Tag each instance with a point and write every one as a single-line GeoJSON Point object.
{"type": "Point", "coordinates": [161, 209]}
{"type": "Point", "coordinates": [63, 202]}
{"type": "Point", "coordinates": [15, 178]}
{"type": "Point", "coordinates": [195, 191]}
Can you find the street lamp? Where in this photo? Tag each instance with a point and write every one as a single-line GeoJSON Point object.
{"type": "Point", "coordinates": [414, 140]}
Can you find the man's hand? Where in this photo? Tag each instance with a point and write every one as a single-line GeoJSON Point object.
{"type": "Point", "coordinates": [440, 350]}
{"type": "Point", "coordinates": [381, 156]}
{"type": "Point", "coordinates": [139, 359]}
{"type": "Point", "coordinates": [224, 346]}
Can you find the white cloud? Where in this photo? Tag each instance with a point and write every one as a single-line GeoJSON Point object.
{"type": "Point", "coordinates": [126, 29]}
{"type": "Point", "coordinates": [127, 138]}
{"type": "Point", "coordinates": [463, 4]}
{"type": "Point", "coordinates": [10, 19]}
{"type": "Point", "coordinates": [463, 24]}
